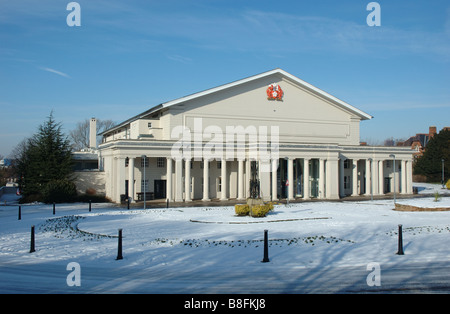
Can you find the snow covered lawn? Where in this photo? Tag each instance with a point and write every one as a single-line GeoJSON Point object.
{"type": "Point", "coordinates": [188, 249]}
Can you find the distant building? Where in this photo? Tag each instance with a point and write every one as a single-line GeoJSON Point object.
{"type": "Point", "coordinates": [419, 141]}
{"type": "Point", "coordinates": [87, 169]}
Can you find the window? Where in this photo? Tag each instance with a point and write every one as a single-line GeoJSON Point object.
{"type": "Point", "coordinates": [161, 162]}
{"type": "Point", "coordinates": [149, 125]}
{"type": "Point", "coordinates": [347, 164]}
{"type": "Point", "coordinates": [346, 182]}
{"type": "Point", "coordinates": [127, 161]}
{"type": "Point", "coordinates": [144, 162]}
{"type": "Point", "coordinates": [388, 164]}
{"type": "Point", "coordinates": [219, 164]}
{"type": "Point", "coordinates": [219, 184]}
{"type": "Point", "coordinates": [144, 185]}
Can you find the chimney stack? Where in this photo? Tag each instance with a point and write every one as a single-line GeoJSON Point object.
{"type": "Point", "coordinates": [432, 131]}
{"type": "Point", "coordinates": [93, 133]}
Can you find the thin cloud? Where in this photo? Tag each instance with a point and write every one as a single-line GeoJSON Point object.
{"type": "Point", "coordinates": [54, 71]}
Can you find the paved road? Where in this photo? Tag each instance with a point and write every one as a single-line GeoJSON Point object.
{"type": "Point", "coordinates": [51, 278]}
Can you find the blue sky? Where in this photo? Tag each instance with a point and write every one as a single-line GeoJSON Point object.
{"type": "Point", "coordinates": [128, 56]}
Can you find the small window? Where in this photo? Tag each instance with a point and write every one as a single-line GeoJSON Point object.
{"type": "Point", "coordinates": [219, 164]}
{"type": "Point", "coordinates": [144, 162]}
{"type": "Point", "coordinates": [149, 125]}
{"type": "Point", "coordinates": [347, 164]}
{"type": "Point", "coordinates": [144, 185]}
{"type": "Point", "coordinates": [161, 162]}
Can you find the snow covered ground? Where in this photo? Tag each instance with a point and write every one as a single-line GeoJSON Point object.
{"type": "Point", "coordinates": [314, 247]}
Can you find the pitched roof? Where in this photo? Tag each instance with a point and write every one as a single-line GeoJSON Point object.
{"type": "Point", "coordinates": [342, 104]}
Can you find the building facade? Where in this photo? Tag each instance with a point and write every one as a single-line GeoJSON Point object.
{"type": "Point", "coordinates": [297, 140]}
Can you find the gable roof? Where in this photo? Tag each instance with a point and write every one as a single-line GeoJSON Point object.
{"type": "Point", "coordinates": [340, 103]}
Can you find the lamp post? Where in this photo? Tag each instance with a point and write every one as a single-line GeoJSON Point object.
{"type": "Point", "coordinates": [393, 156]}
{"type": "Point", "coordinates": [144, 158]}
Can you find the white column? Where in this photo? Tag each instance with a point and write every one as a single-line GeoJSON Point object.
{"type": "Point", "coordinates": [187, 180]}
{"type": "Point", "coordinates": [306, 187]}
{"type": "Point", "coordinates": [355, 177]}
{"type": "Point", "coordinates": [224, 180]}
{"type": "Point", "coordinates": [375, 184]}
{"type": "Point", "coordinates": [291, 179]}
{"type": "Point", "coordinates": [131, 179]}
{"type": "Point", "coordinates": [169, 179]}
{"type": "Point", "coordinates": [120, 179]}
{"type": "Point", "coordinates": [341, 177]}
{"type": "Point", "coordinates": [274, 179]}
{"type": "Point", "coordinates": [178, 180]}
{"type": "Point", "coordinates": [205, 180]}
{"type": "Point", "coordinates": [332, 178]}
{"type": "Point", "coordinates": [381, 177]}
{"type": "Point", "coordinates": [321, 177]}
{"type": "Point", "coordinates": [403, 190]}
{"type": "Point", "coordinates": [409, 179]}
{"type": "Point", "coordinates": [368, 173]}
{"type": "Point", "coordinates": [240, 180]}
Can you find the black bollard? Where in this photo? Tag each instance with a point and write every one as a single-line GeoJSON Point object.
{"type": "Point", "coordinates": [32, 249]}
{"type": "Point", "coordinates": [119, 247]}
{"type": "Point", "coordinates": [20, 212]}
{"type": "Point", "coordinates": [128, 203]}
{"type": "Point", "coordinates": [266, 248]}
{"type": "Point", "coordinates": [54, 208]}
{"type": "Point", "coordinates": [167, 203]}
{"type": "Point", "coordinates": [400, 241]}
{"type": "Point", "coordinates": [90, 205]}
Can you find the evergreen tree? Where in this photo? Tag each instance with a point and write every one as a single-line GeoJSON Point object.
{"type": "Point", "coordinates": [430, 164]}
{"type": "Point", "coordinates": [44, 159]}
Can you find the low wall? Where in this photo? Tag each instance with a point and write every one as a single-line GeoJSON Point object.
{"type": "Point", "coordinates": [411, 208]}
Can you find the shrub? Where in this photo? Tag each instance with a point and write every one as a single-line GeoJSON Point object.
{"type": "Point", "coordinates": [59, 191]}
{"type": "Point", "coordinates": [448, 185]}
{"type": "Point", "coordinates": [241, 210]}
{"type": "Point", "coordinates": [260, 210]}
{"type": "Point", "coordinates": [271, 205]}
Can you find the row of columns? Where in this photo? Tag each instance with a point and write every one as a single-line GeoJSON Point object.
{"type": "Point", "coordinates": [374, 177]}
{"type": "Point", "coordinates": [187, 182]}
{"type": "Point", "coordinates": [374, 181]}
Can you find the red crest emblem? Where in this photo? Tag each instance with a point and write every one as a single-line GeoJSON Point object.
{"type": "Point", "coordinates": [274, 92]}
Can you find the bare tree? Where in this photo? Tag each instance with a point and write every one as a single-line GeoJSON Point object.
{"type": "Point", "coordinates": [79, 137]}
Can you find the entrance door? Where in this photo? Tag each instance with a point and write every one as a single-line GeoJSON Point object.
{"type": "Point", "coordinates": [314, 177]}
{"type": "Point", "coordinates": [160, 189]}
{"type": "Point", "coordinates": [281, 178]}
{"type": "Point", "coordinates": [387, 185]}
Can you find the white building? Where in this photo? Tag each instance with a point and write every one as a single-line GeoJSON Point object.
{"type": "Point", "coordinates": [304, 142]}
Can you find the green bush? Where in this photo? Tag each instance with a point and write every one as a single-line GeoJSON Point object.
{"type": "Point", "coordinates": [448, 185]}
{"type": "Point", "coordinates": [241, 210]}
{"type": "Point", "coordinates": [59, 191]}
